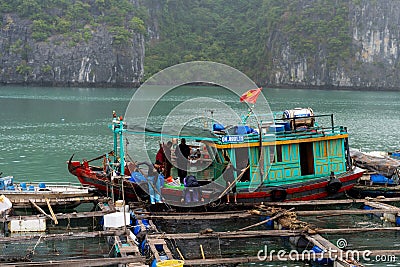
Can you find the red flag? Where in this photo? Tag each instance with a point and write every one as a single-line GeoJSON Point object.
{"type": "Point", "coordinates": [251, 96]}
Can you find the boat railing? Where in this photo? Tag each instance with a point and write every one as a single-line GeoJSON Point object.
{"type": "Point", "coordinates": [296, 127]}
{"type": "Point", "coordinates": [52, 184]}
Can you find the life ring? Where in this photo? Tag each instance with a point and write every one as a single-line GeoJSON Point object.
{"type": "Point", "coordinates": [278, 195]}
{"type": "Point", "coordinates": [333, 186]}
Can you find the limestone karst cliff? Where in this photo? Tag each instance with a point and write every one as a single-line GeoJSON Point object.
{"type": "Point", "coordinates": [306, 43]}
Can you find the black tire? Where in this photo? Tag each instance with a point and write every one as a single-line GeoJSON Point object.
{"type": "Point", "coordinates": [278, 195]}
{"type": "Point", "coordinates": [333, 186]}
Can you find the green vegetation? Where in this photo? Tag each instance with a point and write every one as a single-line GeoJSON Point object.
{"type": "Point", "coordinates": [23, 68]}
{"type": "Point", "coordinates": [74, 18]}
{"type": "Point", "coordinates": [247, 35]}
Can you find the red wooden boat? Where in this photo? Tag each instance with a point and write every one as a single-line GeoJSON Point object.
{"type": "Point", "coordinates": [101, 179]}
{"type": "Point", "coordinates": [291, 159]}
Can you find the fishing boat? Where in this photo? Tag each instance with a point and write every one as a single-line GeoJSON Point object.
{"type": "Point", "coordinates": [291, 158]}
{"type": "Point", "coordinates": [26, 194]}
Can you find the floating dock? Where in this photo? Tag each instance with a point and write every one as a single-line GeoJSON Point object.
{"type": "Point", "coordinates": [144, 242]}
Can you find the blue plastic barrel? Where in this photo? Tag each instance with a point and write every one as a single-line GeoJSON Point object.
{"type": "Point", "coordinates": [31, 188]}
{"type": "Point", "coordinates": [163, 257]}
{"type": "Point", "coordinates": [218, 127]}
{"type": "Point", "coordinates": [270, 224]}
{"type": "Point", "coordinates": [42, 185]}
{"type": "Point", "coordinates": [240, 129]}
{"type": "Point", "coordinates": [317, 249]}
{"type": "Point", "coordinates": [159, 247]}
{"type": "Point", "coordinates": [286, 125]}
{"type": "Point", "coordinates": [136, 230]}
{"type": "Point", "coordinates": [366, 207]}
{"type": "Point", "coordinates": [396, 154]}
{"type": "Point", "coordinates": [276, 128]}
{"type": "Point", "coordinates": [397, 221]}
{"type": "Point", "coordinates": [23, 186]}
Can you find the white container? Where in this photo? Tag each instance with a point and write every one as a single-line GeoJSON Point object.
{"type": "Point", "coordinates": [5, 203]}
{"type": "Point", "coordinates": [121, 209]}
{"type": "Point", "coordinates": [116, 219]}
{"type": "Point", "coordinates": [29, 225]}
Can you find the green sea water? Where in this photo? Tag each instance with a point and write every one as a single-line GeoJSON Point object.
{"type": "Point", "coordinates": [40, 128]}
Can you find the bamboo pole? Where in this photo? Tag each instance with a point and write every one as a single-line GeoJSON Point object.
{"type": "Point", "coordinates": [234, 182]}
{"type": "Point", "coordinates": [180, 254]}
{"type": "Point", "coordinates": [265, 221]}
{"type": "Point", "coordinates": [202, 252]}
{"type": "Point", "coordinates": [51, 211]}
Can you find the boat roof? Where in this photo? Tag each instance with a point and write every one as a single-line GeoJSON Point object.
{"type": "Point", "coordinates": [231, 138]}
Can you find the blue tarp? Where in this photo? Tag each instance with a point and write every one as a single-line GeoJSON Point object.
{"type": "Point", "coordinates": [380, 179]}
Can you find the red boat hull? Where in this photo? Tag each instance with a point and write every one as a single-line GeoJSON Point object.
{"type": "Point", "coordinates": [311, 189]}
{"type": "Point", "coordinates": [94, 177]}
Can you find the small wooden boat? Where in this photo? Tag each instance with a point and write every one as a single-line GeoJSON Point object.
{"type": "Point", "coordinates": [289, 159]}
{"type": "Point", "coordinates": [107, 185]}
{"type": "Point", "coordinates": [382, 177]}
{"type": "Point", "coordinates": [22, 194]}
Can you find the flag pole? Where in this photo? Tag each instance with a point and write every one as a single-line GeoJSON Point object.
{"type": "Point", "coordinates": [244, 118]}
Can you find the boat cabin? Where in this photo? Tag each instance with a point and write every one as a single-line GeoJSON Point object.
{"type": "Point", "coordinates": [292, 148]}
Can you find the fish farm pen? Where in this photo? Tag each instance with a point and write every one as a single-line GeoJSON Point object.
{"type": "Point", "coordinates": [316, 232]}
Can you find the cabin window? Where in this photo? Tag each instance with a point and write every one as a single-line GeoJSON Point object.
{"type": "Point", "coordinates": [306, 158]}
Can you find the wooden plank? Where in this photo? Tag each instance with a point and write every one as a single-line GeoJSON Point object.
{"type": "Point", "coordinates": [343, 212]}
{"type": "Point", "coordinates": [205, 216]}
{"type": "Point", "coordinates": [160, 241]}
{"type": "Point", "coordinates": [328, 246]}
{"type": "Point", "coordinates": [51, 212]}
{"type": "Point", "coordinates": [138, 261]}
{"type": "Point", "coordinates": [225, 235]}
{"type": "Point", "coordinates": [70, 235]}
{"type": "Point", "coordinates": [328, 202]}
{"type": "Point", "coordinates": [129, 249]}
{"type": "Point", "coordinates": [264, 233]}
{"type": "Point", "coordinates": [382, 206]}
{"type": "Point", "coordinates": [244, 215]}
